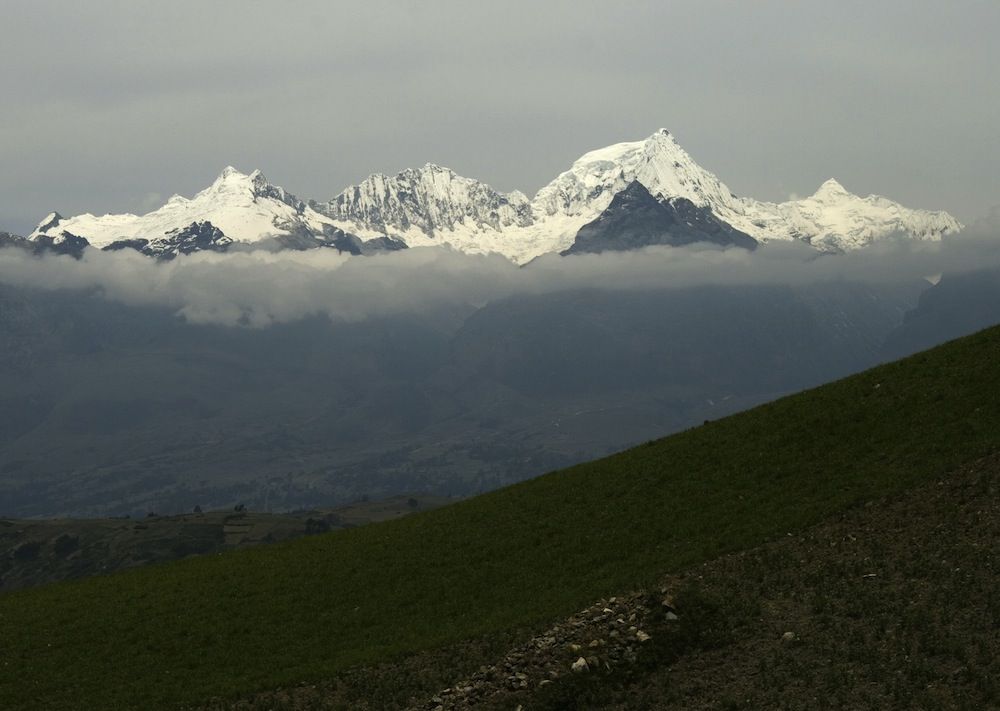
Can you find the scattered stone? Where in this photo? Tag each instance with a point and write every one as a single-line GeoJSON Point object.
{"type": "Point", "coordinates": [595, 637]}
{"type": "Point", "coordinates": [789, 637]}
{"type": "Point", "coordinates": [671, 617]}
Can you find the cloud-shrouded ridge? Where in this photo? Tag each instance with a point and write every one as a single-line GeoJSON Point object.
{"type": "Point", "coordinates": [261, 288]}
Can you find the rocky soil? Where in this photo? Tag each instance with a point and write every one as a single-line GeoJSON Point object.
{"type": "Point", "coordinates": [891, 605]}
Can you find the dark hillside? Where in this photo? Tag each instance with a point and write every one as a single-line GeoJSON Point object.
{"type": "Point", "coordinates": [227, 625]}
{"type": "Point", "coordinates": [956, 306]}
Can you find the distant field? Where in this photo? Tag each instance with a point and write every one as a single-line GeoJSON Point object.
{"type": "Point", "coordinates": [164, 636]}
{"type": "Point", "coordinates": [37, 551]}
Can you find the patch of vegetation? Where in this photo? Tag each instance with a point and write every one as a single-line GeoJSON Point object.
{"type": "Point", "coordinates": [891, 605]}
{"type": "Point", "coordinates": [267, 617]}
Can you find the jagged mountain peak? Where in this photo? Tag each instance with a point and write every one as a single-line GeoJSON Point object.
{"type": "Point", "coordinates": [232, 179]}
{"type": "Point", "coordinates": [49, 222]}
{"type": "Point", "coordinates": [433, 205]}
{"type": "Point", "coordinates": [658, 162]}
{"type": "Point", "coordinates": [436, 168]}
{"type": "Point", "coordinates": [831, 189]}
{"type": "Point", "coordinates": [242, 207]}
{"type": "Point", "coordinates": [422, 202]}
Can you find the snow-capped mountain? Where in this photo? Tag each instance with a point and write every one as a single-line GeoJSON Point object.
{"type": "Point", "coordinates": [236, 207]}
{"type": "Point", "coordinates": [431, 200]}
{"type": "Point", "coordinates": [833, 219]}
{"type": "Point", "coordinates": [435, 206]}
{"type": "Point", "coordinates": [424, 207]}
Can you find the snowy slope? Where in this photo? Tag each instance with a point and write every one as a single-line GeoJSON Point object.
{"type": "Point", "coordinates": [246, 208]}
{"type": "Point", "coordinates": [430, 199]}
{"type": "Point", "coordinates": [421, 210]}
{"type": "Point", "coordinates": [834, 219]}
{"type": "Point", "coordinates": [435, 206]}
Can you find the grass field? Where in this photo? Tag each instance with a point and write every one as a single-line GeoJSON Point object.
{"type": "Point", "coordinates": [176, 634]}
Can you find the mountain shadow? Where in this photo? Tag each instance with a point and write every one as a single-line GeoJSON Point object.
{"type": "Point", "coordinates": [636, 219]}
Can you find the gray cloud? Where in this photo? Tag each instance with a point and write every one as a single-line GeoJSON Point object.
{"type": "Point", "coordinates": [110, 101]}
{"type": "Point", "coordinates": [259, 288]}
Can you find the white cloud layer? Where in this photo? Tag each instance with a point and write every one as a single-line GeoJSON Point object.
{"type": "Point", "coordinates": [260, 288]}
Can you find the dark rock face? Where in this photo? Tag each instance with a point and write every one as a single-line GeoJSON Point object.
{"type": "Point", "coordinates": [206, 237]}
{"type": "Point", "coordinates": [379, 244]}
{"type": "Point", "coordinates": [636, 219]}
{"type": "Point", "coordinates": [303, 239]}
{"type": "Point", "coordinates": [196, 237]}
{"type": "Point", "coordinates": [66, 243]}
{"type": "Point", "coordinates": [138, 244]}
{"type": "Point", "coordinates": [9, 240]}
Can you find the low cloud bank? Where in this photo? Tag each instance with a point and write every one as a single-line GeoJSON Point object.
{"type": "Point", "coordinates": [258, 289]}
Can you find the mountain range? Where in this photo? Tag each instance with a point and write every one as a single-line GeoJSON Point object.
{"type": "Point", "coordinates": [435, 206]}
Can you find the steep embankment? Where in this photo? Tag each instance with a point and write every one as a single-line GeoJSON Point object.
{"type": "Point", "coordinates": [226, 625]}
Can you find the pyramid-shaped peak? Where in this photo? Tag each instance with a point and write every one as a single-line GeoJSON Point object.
{"type": "Point", "coordinates": [831, 187]}
{"type": "Point", "coordinates": [231, 179]}
{"type": "Point", "coordinates": [661, 136]}
{"type": "Point", "coordinates": [634, 190]}
{"type": "Point", "coordinates": [230, 172]}
{"type": "Point", "coordinates": [659, 143]}
{"type": "Point", "coordinates": [49, 222]}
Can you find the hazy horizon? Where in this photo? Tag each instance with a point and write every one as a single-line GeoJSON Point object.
{"type": "Point", "coordinates": [115, 106]}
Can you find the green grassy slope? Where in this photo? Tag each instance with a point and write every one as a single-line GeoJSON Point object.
{"type": "Point", "coordinates": [223, 625]}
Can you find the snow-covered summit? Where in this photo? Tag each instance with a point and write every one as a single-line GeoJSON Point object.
{"type": "Point", "coordinates": [835, 219]}
{"type": "Point", "coordinates": [658, 162]}
{"type": "Point", "coordinates": [433, 205]}
{"type": "Point", "coordinates": [429, 199]}
{"type": "Point", "coordinates": [245, 208]}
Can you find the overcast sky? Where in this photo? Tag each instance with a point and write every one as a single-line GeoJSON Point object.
{"type": "Point", "coordinates": [113, 106]}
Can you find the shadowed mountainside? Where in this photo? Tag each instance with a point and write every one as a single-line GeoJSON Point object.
{"type": "Point", "coordinates": [497, 566]}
